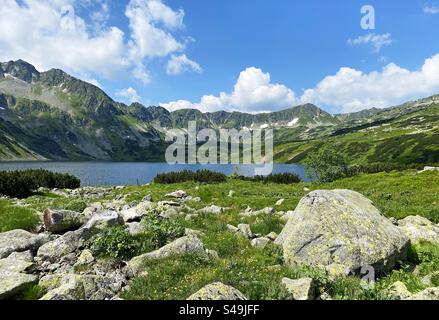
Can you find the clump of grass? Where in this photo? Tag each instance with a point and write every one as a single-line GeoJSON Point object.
{"type": "Point", "coordinates": [14, 217]}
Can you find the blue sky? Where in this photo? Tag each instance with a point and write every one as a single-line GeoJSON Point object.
{"type": "Point", "coordinates": [245, 55]}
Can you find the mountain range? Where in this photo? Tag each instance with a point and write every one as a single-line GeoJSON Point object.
{"type": "Point", "coordinates": [54, 116]}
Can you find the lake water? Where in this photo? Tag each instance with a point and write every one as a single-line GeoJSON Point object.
{"type": "Point", "coordinates": [134, 173]}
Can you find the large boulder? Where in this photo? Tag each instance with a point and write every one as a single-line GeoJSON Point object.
{"type": "Point", "coordinates": [11, 283]}
{"type": "Point", "coordinates": [418, 229]}
{"type": "Point", "coordinates": [217, 291]}
{"type": "Point", "coordinates": [181, 246]}
{"type": "Point", "coordinates": [342, 227]}
{"type": "Point", "coordinates": [18, 241]}
{"type": "Point", "coordinates": [82, 287]}
{"type": "Point", "coordinates": [63, 245]}
{"type": "Point", "coordinates": [59, 221]}
{"type": "Point", "coordinates": [427, 294]}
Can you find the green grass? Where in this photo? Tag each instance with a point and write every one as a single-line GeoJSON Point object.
{"type": "Point", "coordinates": [13, 217]}
{"type": "Point", "coordinates": [257, 273]}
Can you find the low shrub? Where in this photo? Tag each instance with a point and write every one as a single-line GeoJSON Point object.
{"type": "Point", "coordinates": [160, 231]}
{"type": "Point", "coordinates": [22, 184]}
{"type": "Point", "coordinates": [202, 176]}
{"type": "Point", "coordinates": [279, 178]}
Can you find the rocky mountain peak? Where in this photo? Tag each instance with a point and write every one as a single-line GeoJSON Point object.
{"type": "Point", "coordinates": [20, 69]}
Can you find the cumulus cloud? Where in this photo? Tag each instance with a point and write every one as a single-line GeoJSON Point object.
{"type": "Point", "coordinates": [377, 41]}
{"type": "Point", "coordinates": [352, 90]}
{"type": "Point", "coordinates": [431, 8]}
{"type": "Point", "coordinates": [253, 92]}
{"type": "Point", "coordinates": [348, 90]}
{"type": "Point", "coordinates": [50, 33]}
{"type": "Point", "coordinates": [129, 94]}
{"type": "Point", "coordinates": [179, 64]}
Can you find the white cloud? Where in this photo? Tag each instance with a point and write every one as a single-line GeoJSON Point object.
{"type": "Point", "coordinates": [179, 64]}
{"type": "Point", "coordinates": [50, 33]}
{"type": "Point", "coordinates": [431, 8]}
{"type": "Point", "coordinates": [377, 41]}
{"type": "Point", "coordinates": [129, 94]}
{"type": "Point", "coordinates": [348, 90]}
{"type": "Point", "coordinates": [253, 92]}
{"type": "Point", "coordinates": [352, 90]}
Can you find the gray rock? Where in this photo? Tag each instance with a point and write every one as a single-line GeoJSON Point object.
{"type": "Point", "coordinates": [301, 289]}
{"type": "Point", "coordinates": [212, 210]}
{"type": "Point", "coordinates": [18, 241]}
{"type": "Point", "coordinates": [59, 221]}
{"type": "Point", "coordinates": [342, 227]}
{"type": "Point", "coordinates": [63, 245]}
{"type": "Point", "coordinates": [135, 228]}
{"type": "Point", "coordinates": [138, 212]}
{"type": "Point", "coordinates": [83, 287]}
{"type": "Point", "coordinates": [84, 259]}
{"type": "Point", "coordinates": [179, 194]}
{"type": "Point", "coordinates": [24, 256]}
{"type": "Point", "coordinates": [181, 246]}
{"type": "Point", "coordinates": [170, 213]}
{"type": "Point", "coordinates": [232, 229]}
{"type": "Point", "coordinates": [427, 294]}
{"type": "Point", "coordinates": [12, 283]}
{"type": "Point", "coordinates": [419, 229]}
{"type": "Point", "coordinates": [231, 194]}
{"type": "Point", "coordinates": [260, 243]}
{"type": "Point", "coordinates": [14, 266]}
{"type": "Point", "coordinates": [280, 202]}
{"type": "Point", "coordinates": [218, 291]}
{"type": "Point", "coordinates": [103, 220]}
{"type": "Point", "coordinates": [244, 230]}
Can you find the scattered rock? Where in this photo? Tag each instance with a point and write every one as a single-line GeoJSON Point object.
{"type": "Point", "coordinates": [170, 213]}
{"type": "Point", "coordinates": [135, 228]}
{"type": "Point", "coordinates": [418, 229]}
{"type": "Point", "coordinates": [103, 220]}
{"type": "Point", "coordinates": [244, 229]}
{"type": "Point", "coordinates": [138, 212]}
{"type": "Point", "coordinates": [179, 194]}
{"type": "Point", "coordinates": [301, 289]}
{"type": "Point", "coordinates": [191, 216]}
{"type": "Point", "coordinates": [84, 259]}
{"type": "Point", "coordinates": [195, 233]}
{"type": "Point", "coordinates": [218, 291]}
{"type": "Point", "coordinates": [280, 202]}
{"type": "Point", "coordinates": [342, 227]}
{"type": "Point", "coordinates": [212, 210]}
{"type": "Point", "coordinates": [429, 169]}
{"type": "Point", "coordinates": [260, 243]}
{"type": "Point", "coordinates": [232, 229]}
{"type": "Point", "coordinates": [181, 246]}
{"type": "Point", "coordinates": [20, 240]}
{"type": "Point", "coordinates": [399, 290]}
{"type": "Point", "coordinates": [272, 236]}
{"type": "Point", "coordinates": [231, 194]}
{"type": "Point", "coordinates": [168, 204]}
{"type": "Point", "coordinates": [60, 221]}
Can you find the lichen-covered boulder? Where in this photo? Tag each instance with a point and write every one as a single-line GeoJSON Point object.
{"type": "Point", "coordinates": [11, 283]}
{"type": "Point", "coordinates": [217, 291]}
{"type": "Point", "coordinates": [65, 244]}
{"type": "Point", "coordinates": [212, 210]}
{"type": "Point", "coordinates": [59, 221]}
{"type": "Point", "coordinates": [418, 229]}
{"type": "Point", "coordinates": [82, 287]}
{"type": "Point", "coordinates": [427, 294]}
{"type": "Point", "coordinates": [181, 246]}
{"type": "Point", "coordinates": [341, 227]}
{"type": "Point", "coordinates": [19, 240]}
